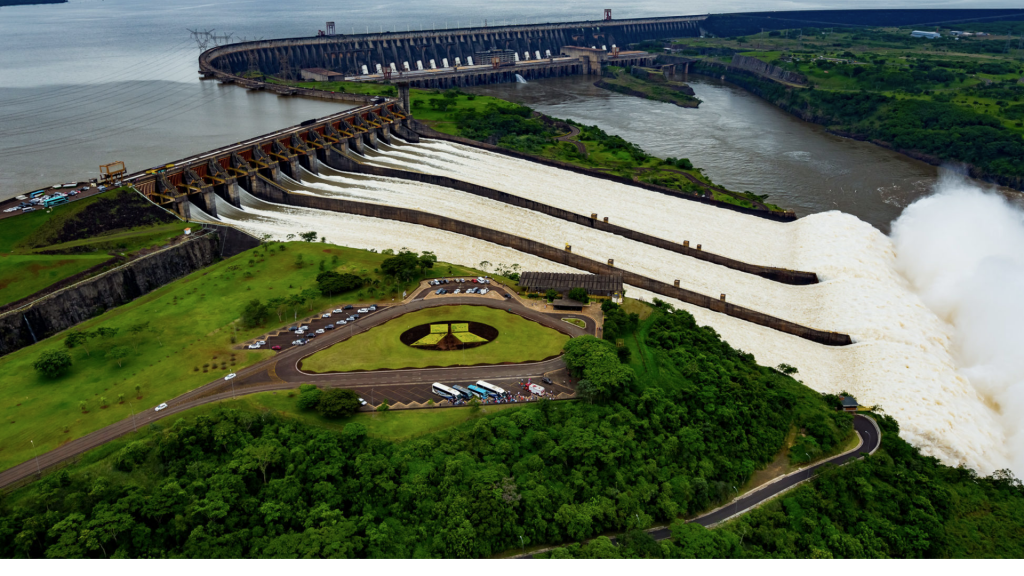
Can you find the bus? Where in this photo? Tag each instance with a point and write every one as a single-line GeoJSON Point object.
{"type": "Point", "coordinates": [55, 201]}
{"type": "Point", "coordinates": [37, 193]}
{"type": "Point", "coordinates": [494, 391]}
{"type": "Point", "coordinates": [466, 394]}
{"type": "Point", "coordinates": [478, 391]}
{"type": "Point", "coordinates": [443, 391]}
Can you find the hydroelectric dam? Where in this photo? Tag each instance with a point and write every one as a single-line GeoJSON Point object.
{"type": "Point", "coordinates": [455, 57]}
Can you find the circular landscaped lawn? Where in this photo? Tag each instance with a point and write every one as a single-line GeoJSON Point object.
{"type": "Point", "coordinates": [517, 340]}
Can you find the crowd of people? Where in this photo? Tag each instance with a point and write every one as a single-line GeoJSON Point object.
{"type": "Point", "coordinates": [506, 398]}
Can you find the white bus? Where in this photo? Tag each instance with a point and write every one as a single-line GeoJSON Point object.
{"type": "Point", "coordinates": [494, 390]}
{"type": "Point", "coordinates": [444, 391]}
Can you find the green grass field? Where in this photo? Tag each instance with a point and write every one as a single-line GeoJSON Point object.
{"type": "Point", "coordinates": [575, 322]}
{"type": "Point", "coordinates": [24, 270]}
{"type": "Point", "coordinates": [468, 337]}
{"type": "Point", "coordinates": [429, 340]}
{"type": "Point", "coordinates": [196, 316]}
{"type": "Point", "coordinates": [24, 274]}
{"type": "Point", "coordinates": [519, 340]}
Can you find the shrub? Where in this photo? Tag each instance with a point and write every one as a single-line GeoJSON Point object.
{"type": "Point", "coordinates": [337, 403]}
{"type": "Point", "coordinates": [53, 363]}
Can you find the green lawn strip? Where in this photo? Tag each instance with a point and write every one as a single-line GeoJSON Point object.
{"type": "Point", "coordinates": [438, 328]}
{"type": "Point", "coordinates": [468, 337]}
{"type": "Point", "coordinates": [462, 327]}
{"type": "Point", "coordinates": [129, 240]}
{"type": "Point", "coordinates": [196, 315]}
{"type": "Point", "coordinates": [22, 275]}
{"type": "Point", "coordinates": [575, 322]}
{"type": "Point", "coordinates": [519, 340]}
{"type": "Point", "coordinates": [429, 340]}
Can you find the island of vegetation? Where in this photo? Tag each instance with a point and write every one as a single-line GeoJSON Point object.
{"type": "Point", "coordinates": [647, 83]}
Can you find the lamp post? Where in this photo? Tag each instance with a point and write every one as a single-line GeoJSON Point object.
{"type": "Point", "coordinates": [136, 426]}
{"type": "Point", "coordinates": [39, 470]}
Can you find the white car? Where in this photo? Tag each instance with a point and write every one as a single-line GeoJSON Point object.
{"type": "Point", "coordinates": [362, 311]}
{"type": "Point", "coordinates": [484, 291]}
{"type": "Point", "coordinates": [338, 310]}
{"type": "Point", "coordinates": [341, 322]}
{"type": "Point", "coordinates": [299, 332]}
{"type": "Point", "coordinates": [372, 308]}
{"type": "Point", "coordinates": [457, 290]}
{"type": "Point", "coordinates": [230, 376]}
{"type": "Point", "coordinates": [254, 346]}
{"type": "Point", "coordinates": [325, 315]}
{"type": "Point", "coordinates": [319, 330]}
{"type": "Point", "coordinates": [160, 407]}
{"type": "Point", "coordinates": [362, 402]}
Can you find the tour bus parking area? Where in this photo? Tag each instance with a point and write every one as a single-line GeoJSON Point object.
{"type": "Point", "coordinates": [82, 192]}
{"type": "Point", "coordinates": [374, 394]}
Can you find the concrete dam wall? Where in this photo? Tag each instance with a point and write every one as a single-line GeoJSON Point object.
{"type": "Point", "coordinates": [349, 53]}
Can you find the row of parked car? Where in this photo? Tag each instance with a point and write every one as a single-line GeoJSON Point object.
{"type": "Point", "coordinates": [477, 280]}
{"type": "Point", "coordinates": [459, 291]}
{"type": "Point", "coordinates": [306, 333]}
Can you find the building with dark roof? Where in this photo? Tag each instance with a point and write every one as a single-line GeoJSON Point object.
{"type": "Point", "coordinates": [568, 304]}
{"type": "Point", "coordinates": [849, 403]}
{"type": "Point", "coordinates": [594, 284]}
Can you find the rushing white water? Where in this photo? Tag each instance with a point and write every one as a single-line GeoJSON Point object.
{"type": "Point", "coordinates": [903, 357]}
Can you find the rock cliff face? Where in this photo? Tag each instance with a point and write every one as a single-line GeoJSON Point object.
{"type": "Point", "coordinates": [767, 70]}
{"type": "Point", "coordinates": [65, 309]}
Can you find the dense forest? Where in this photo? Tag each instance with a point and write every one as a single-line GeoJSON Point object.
{"type": "Point", "coordinates": [633, 452]}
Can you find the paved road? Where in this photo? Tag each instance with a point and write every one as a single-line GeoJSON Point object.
{"type": "Point", "coordinates": [574, 132]}
{"type": "Point", "coordinates": [865, 428]}
{"type": "Point", "coordinates": [281, 372]}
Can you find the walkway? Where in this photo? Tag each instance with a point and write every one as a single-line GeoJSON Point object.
{"type": "Point", "coordinates": [570, 137]}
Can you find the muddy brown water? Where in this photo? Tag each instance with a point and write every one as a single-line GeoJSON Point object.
{"type": "Point", "coordinates": [745, 144]}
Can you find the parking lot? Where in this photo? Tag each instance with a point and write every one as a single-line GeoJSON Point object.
{"type": "Point", "coordinates": [285, 338]}
{"type": "Point", "coordinates": [420, 392]}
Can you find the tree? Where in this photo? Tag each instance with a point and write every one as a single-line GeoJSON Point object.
{"type": "Point", "coordinates": [308, 236]}
{"type": "Point", "coordinates": [787, 369]}
{"type": "Point", "coordinates": [120, 398]}
{"type": "Point", "coordinates": [551, 294]}
{"type": "Point", "coordinates": [278, 304]}
{"type": "Point", "coordinates": [78, 338]}
{"type": "Point", "coordinates": [53, 363]}
{"type": "Point", "coordinates": [330, 283]}
{"type": "Point", "coordinates": [579, 295]}
{"type": "Point", "coordinates": [106, 333]}
{"type": "Point", "coordinates": [310, 294]}
{"type": "Point", "coordinates": [298, 261]}
{"type": "Point", "coordinates": [406, 265]}
{"type": "Point", "coordinates": [136, 330]}
{"type": "Point", "coordinates": [383, 407]}
{"type": "Point", "coordinates": [255, 313]}
{"type": "Point", "coordinates": [309, 397]}
{"type": "Point", "coordinates": [118, 354]}
{"type": "Point", "coordinates": [337, 403]}
{"type": "Point", "coordinates": [138, 391]}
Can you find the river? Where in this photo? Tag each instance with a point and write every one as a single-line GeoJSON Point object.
{"type": "Point", "coordinates": [92, 82]}
{"type": "Point", "coordinates": [745, 144]}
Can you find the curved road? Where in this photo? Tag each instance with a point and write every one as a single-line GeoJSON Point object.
{"type": "Point", "coordinates": [573, 132]}
{"type": "Point", "coordinates": [870, 437]}
{"type": "Point", "coordinates": [281, 372]}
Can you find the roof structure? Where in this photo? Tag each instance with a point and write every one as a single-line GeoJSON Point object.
{"type": "Point", "coordinates": [599, 284]}
{"type": "Point", "coordinates": [567, 303]}
{"type": "Point", "coordinates": [849, 401]}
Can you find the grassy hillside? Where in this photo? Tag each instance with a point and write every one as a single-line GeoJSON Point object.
{"type": "Point", "coordinates": [41, 248]}
{"type": "Point", "coordinates": [193, 323]}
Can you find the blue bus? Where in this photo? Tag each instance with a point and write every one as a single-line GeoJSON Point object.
{"type": "Point", "coordinates": [480, 392]}
{"type": "Point", "coordinates": [55, 201]}
{"type": "Point", "coordinates": [37, 193]}
{"type": "Point", "coordinates": [466, 394]}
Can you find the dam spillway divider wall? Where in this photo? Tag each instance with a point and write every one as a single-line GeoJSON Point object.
{"type": "Point", "coordinates": [268, 190]}
{"type": "Point", "coordinates": [794, 277]}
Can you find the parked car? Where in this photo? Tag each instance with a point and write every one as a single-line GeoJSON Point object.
{"type": "Point", "coordinates": [457, 290]}
{"type": "Point", "coordinates": [275, 347]}
{"type": "Point", "coordinates": [508, 296]}
{"type": "Point", "coordinates": [439, 291]}
{"type": "Point", "coordinates": [254, 346]}
{"type": "Point", "coordinates": [355, 316]}
{"type": "Point", "coordinates": [27, 209]}
{"type": "Point", "coordinates": [470, 290]}
{"type": "Point", "coordinates": [300, 332]}
{"type": "Point", "coordinates": [329, 327]}
{"type": "Point", "coordinates": [338, 310]}
{"type": "Point", "coordinates": [483, 291]}
{"type": "Point", "coordinates": [320, 331]}
{"type": "Point", "coordinates": [296, 342]}
{"type": "Point", "coordinates": [261, 342]}
{"type": "Point", "coordinates": [325, 315]}
{"type": "Point", "coordinates": [300, 342]}
{"type": "Point", "coordinates": [160, 407]}
{"type": "Point", "coordinates": [293, 328]}
{"type": "Point", "coordinates": [349, 307]}
{"type": "Point", "coordinates": [372, 308]}
{"type": "Point", "coordinates": [230, 376]}
{"type": "Point", "coordinates": [547, 381]}
{"type": "Point", "coordinates": [310, 335]}
{"type": "Point", "coordinates": [362, 310]}
{"type": "Point", "coordinates": [342, 323]}
{"type": "Point", "coordinates": [362, 402]}
{"type": "Point", "coordinates": [304, 327]}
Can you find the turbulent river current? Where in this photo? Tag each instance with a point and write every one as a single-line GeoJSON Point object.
{"type": "Point", "coordinates": [906, 357]}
